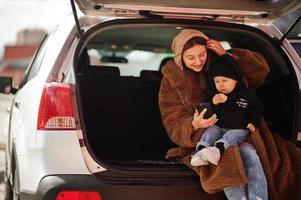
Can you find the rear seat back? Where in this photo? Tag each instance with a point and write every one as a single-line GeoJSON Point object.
{"type": "Point", "coordinates": [151, 76]}
{"type": "Point", "coordinates": [122, 116]}
{"type": "Point", "coordinates": [94, 70]}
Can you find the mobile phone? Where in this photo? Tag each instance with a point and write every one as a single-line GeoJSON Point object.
{"type": "Point", "coordinates": [209, 111]}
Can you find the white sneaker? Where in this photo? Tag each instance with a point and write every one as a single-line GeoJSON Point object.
{"type": "Point", "coordinates": [212, 154]}
{"type": "Point", "coordinates": [198, 160]}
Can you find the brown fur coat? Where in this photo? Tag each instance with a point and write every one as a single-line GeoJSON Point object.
{"type": "Point", "coordinates": [181, 90]}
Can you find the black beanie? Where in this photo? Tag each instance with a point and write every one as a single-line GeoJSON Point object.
{"type": "Point", "coordinates": [226, 66]}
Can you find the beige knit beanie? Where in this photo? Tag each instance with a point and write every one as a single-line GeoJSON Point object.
{"type": "Point", "coordinates": [180, 40]}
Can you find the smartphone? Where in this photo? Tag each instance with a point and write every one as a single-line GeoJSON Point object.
{"type": "Point", "coordinates": [209, 111]}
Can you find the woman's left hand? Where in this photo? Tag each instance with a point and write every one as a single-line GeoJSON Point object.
{"type": "Point", "coordinates": [216, 47]}
{"type": "Point", "coordinates": [199, 121]}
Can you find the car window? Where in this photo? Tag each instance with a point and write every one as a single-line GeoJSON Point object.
{"type": "Point", "coordinates": [130, 63]}
{"type": "Point", "coordinates": [34, 66]}
{"type": "Point", "coordinates": [134, 50]}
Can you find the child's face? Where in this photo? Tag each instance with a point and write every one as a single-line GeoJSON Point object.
{"type": "Point", "coordinates": [224, 85]}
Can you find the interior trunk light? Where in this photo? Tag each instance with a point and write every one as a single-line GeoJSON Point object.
{"type": "Point", "coordinates": [78, 195]}
{"type": "Point", "coordinates": [56, 110]}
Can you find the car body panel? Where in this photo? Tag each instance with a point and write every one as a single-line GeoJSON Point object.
{"type": "Point", "coordinates": [22, 102]}
{"type": "Point", "coordinates": [52, 148]}
{"type": "Point", "coordinates": [21, 126]}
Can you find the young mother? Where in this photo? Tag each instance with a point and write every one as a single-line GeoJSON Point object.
{"type": "Point", "coordinates": [183, 86]}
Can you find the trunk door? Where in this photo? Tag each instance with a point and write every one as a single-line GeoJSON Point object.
{"type": "Point", "coordinates": [268, 9]}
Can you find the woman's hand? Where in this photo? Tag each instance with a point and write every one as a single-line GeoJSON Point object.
{"type": "Point", "coordinates": [251, 127]}
{"type": "Point", "coordinates": [216, 47]}
{"type": "Point", "coordinates": [199, 121]}
{"type": "Point", "coordinates": [219, 98]}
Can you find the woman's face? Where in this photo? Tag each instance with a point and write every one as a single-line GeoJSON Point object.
{"type": "Point", "coordinates": [195, 57]}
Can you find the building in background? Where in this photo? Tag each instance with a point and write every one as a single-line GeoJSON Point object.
{"type": "Point", "coordinates": [17, 56]}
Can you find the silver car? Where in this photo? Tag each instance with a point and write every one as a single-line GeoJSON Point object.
{"type": "Point", "coordinates": [85, 123]}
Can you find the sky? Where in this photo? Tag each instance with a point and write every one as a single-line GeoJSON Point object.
{"type": "Point", "coordinates": [16, 15]}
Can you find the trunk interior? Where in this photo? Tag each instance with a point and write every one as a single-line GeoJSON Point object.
{"type": "Point", "coordinates": [118, 73]}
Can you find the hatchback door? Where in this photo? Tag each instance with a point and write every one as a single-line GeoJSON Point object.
{"type": "Point", "coordinates": [267, 9]}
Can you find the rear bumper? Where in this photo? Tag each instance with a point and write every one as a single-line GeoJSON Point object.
{"type": "Point", "coordinates": [50, 186]}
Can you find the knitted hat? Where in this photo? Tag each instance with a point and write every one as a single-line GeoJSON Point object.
{"type": "Point", "coordinates": [225, 66]}
{"type": "Point", "coordinates": [180, 40]}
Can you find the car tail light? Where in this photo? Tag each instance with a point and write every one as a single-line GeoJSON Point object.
{"type": "Point", "coordinates": [56, 110]}
{"type": "Point", "coordinates": [78, 195]}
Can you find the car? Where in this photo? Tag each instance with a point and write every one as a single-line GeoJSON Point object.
{"type": "Point", "coordinates": [85, 122]}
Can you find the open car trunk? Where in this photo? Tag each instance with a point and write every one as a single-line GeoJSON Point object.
{"type": "Point", "coordinates": [118, 73]}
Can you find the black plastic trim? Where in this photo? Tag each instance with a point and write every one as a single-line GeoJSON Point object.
{"type": "Point", "coordinates": [50, 186]}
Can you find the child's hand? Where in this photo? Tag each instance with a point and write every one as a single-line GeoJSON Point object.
{"type": "Point", "coordinates": [251, 127]}
{"type": "Point", "coordinates": [219, 98]}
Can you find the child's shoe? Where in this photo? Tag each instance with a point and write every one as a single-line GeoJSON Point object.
{"type": "Point", "coordinates": [211, 154]}
{"type": "Point", "coordinates": [198, 160]}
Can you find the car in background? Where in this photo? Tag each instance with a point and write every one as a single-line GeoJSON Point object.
{"type": "Point", "coordinates": [85, 123]}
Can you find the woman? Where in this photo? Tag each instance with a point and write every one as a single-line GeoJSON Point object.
{"type": "Point", "coordinates": [183, 87]}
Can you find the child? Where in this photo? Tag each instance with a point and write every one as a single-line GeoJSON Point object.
{"type": "Point", "coordinates": [237, 108]}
